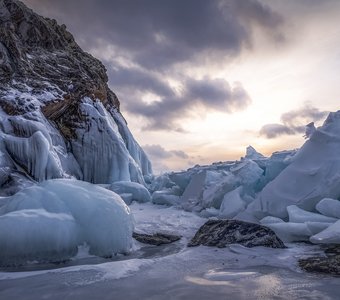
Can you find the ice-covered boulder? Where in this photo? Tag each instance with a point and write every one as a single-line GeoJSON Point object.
{"type": "Point", "coordinates": [137, 191]}
{"type": "Point", "coordinates": [329, 207]}
{"type": "Point", "coordinates": [58, 117]}
{"type": "Point", "coordinates": [312, 175]}
{"type": "Point", "coordinates": [47, 222]}
{"type": "Point", "coordinates": [220, 233]}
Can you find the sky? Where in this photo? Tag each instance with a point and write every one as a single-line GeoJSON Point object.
{"type": "Point", "coordinates": [199, 80]}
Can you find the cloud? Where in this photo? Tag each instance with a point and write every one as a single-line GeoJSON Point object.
{"type": "Point", "coordinates": [294, 122]}
{"type": "Point", "coordinates": [146, 43]}
{"type": "Point", "coordinates": [158, 152]}
{"type": "Point", "coordinates": [206, 94]}
{"type": "Point", "coordinates": [157, 34]}
{"type": "Point", "coordinates": [164, 160]}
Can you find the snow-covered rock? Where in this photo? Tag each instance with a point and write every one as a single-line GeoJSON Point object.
{"type": "Point", "coordinates": [312, 175]}
{"type": "Point", "coordinates": [137, 191]}
{"type": "Point", "coordinates": [58, 117]}
{"type": "Point", "coordinates": [47, 222]}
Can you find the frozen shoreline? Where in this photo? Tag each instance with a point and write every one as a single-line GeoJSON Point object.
{"type": "Point", "coordinates": [235, 272]}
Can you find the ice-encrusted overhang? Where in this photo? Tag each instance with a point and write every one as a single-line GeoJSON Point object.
{"type": "Point", "coordinates": [59, 94]}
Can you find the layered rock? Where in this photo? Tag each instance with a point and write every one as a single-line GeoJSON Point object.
{"type": "Point", "coordinates": [58, 117]}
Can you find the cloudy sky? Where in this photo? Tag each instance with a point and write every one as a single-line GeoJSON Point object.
{"type": "Point", "coordinates": [201, 80]}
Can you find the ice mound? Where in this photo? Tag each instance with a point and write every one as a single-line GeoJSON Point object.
{"type": "Point", "coordinates": [137, 191]}
{"type": "Point", "coordinates": [47, 222]}
{"type": "Point", "coordinates": [312, 175]}
{"type": "Point", "coordinates": [298, 215]}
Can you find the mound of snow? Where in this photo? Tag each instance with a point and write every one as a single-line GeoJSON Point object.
{"type": "Point", "coordinates": [47, 222]}
{"type": "Point", "coordinates": [138, 192]}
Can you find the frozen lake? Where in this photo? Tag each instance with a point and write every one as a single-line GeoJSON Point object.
{"type": "Point", "coordinates": [175, 271]}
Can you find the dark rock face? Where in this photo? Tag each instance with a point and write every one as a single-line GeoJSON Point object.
{"type": "Point", "coordinates": [48, 84]}
{"type": "Point", "coordinates": [326, 265]}
{"type": "Point", "coordinates": [220, 233]}
{"type": "Point", "coordinates": [155, 239]}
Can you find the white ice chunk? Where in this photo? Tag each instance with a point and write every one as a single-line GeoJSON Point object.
{"type": "Point", "coordinates": [270, 220]}
{"type": "Point", "coordinates": [316, 227]}
{"type": "Point", "coordinates": [330, 235]}
{"type": "Point", "coordinates": [252, 154]}
{"type": "Point", "coordinates": [232, 204]}
{"type": "Point", "coordinates": [138, 191]}
{"type": "Point", "coordinates": [329, 207]}
{"type": "Point", "coordinates": [291, 232]}
{"type": "Point", "coordinates": [165, 198]}
{"type": "Point", "coordinates": [90, 214]}
{"type": "Point", "coordinates": [298, 215]}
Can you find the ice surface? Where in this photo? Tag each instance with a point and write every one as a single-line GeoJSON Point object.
{"type": "Point", "coordinates": [56, 215]}
{"type": "Point", "coordinates": [139, 192]}
{"type": "Point", "coordinates": [331, 235]}
{"type": "Point", "coordinates": [232, 204]}
{"type": "Point", "coordinates": [312, 175]}
{"type": "Point", "coordinates": [329, 207]}
{"type": "Point", "coordinates": [298, 215]}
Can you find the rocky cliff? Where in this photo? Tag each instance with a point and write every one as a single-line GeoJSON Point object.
{"type": "Point", "coordinates": [58, 117]}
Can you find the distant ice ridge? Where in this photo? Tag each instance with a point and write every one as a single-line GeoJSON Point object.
{"type": "Point", "coordinates": [224, 188]}
{"type": "Point", "coordinates": [47, 222]}
{"type": "Point", "coordinates": [296, 193]}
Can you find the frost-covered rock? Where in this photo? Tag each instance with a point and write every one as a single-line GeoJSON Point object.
{"type": "Point", "coordinates": [58, 117]}
{"type": "Point", "coordinates": [138, 192]}
{"type": "Point", "coordinates": [47, 222]}
{"type": "Point", "coordinates": [329, 207]}
{"type": "Point", "coordinates": [312, 175]}
{"type": "Point", "coordinates": [220, 233]}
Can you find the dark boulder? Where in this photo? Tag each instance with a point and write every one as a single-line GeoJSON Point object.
{"type": "Point", "coordinates": [220, 233]}
{"type": "Point", "coordinates": [329, 264]}
{"type": "Point", "coordinates": [155, 239]}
